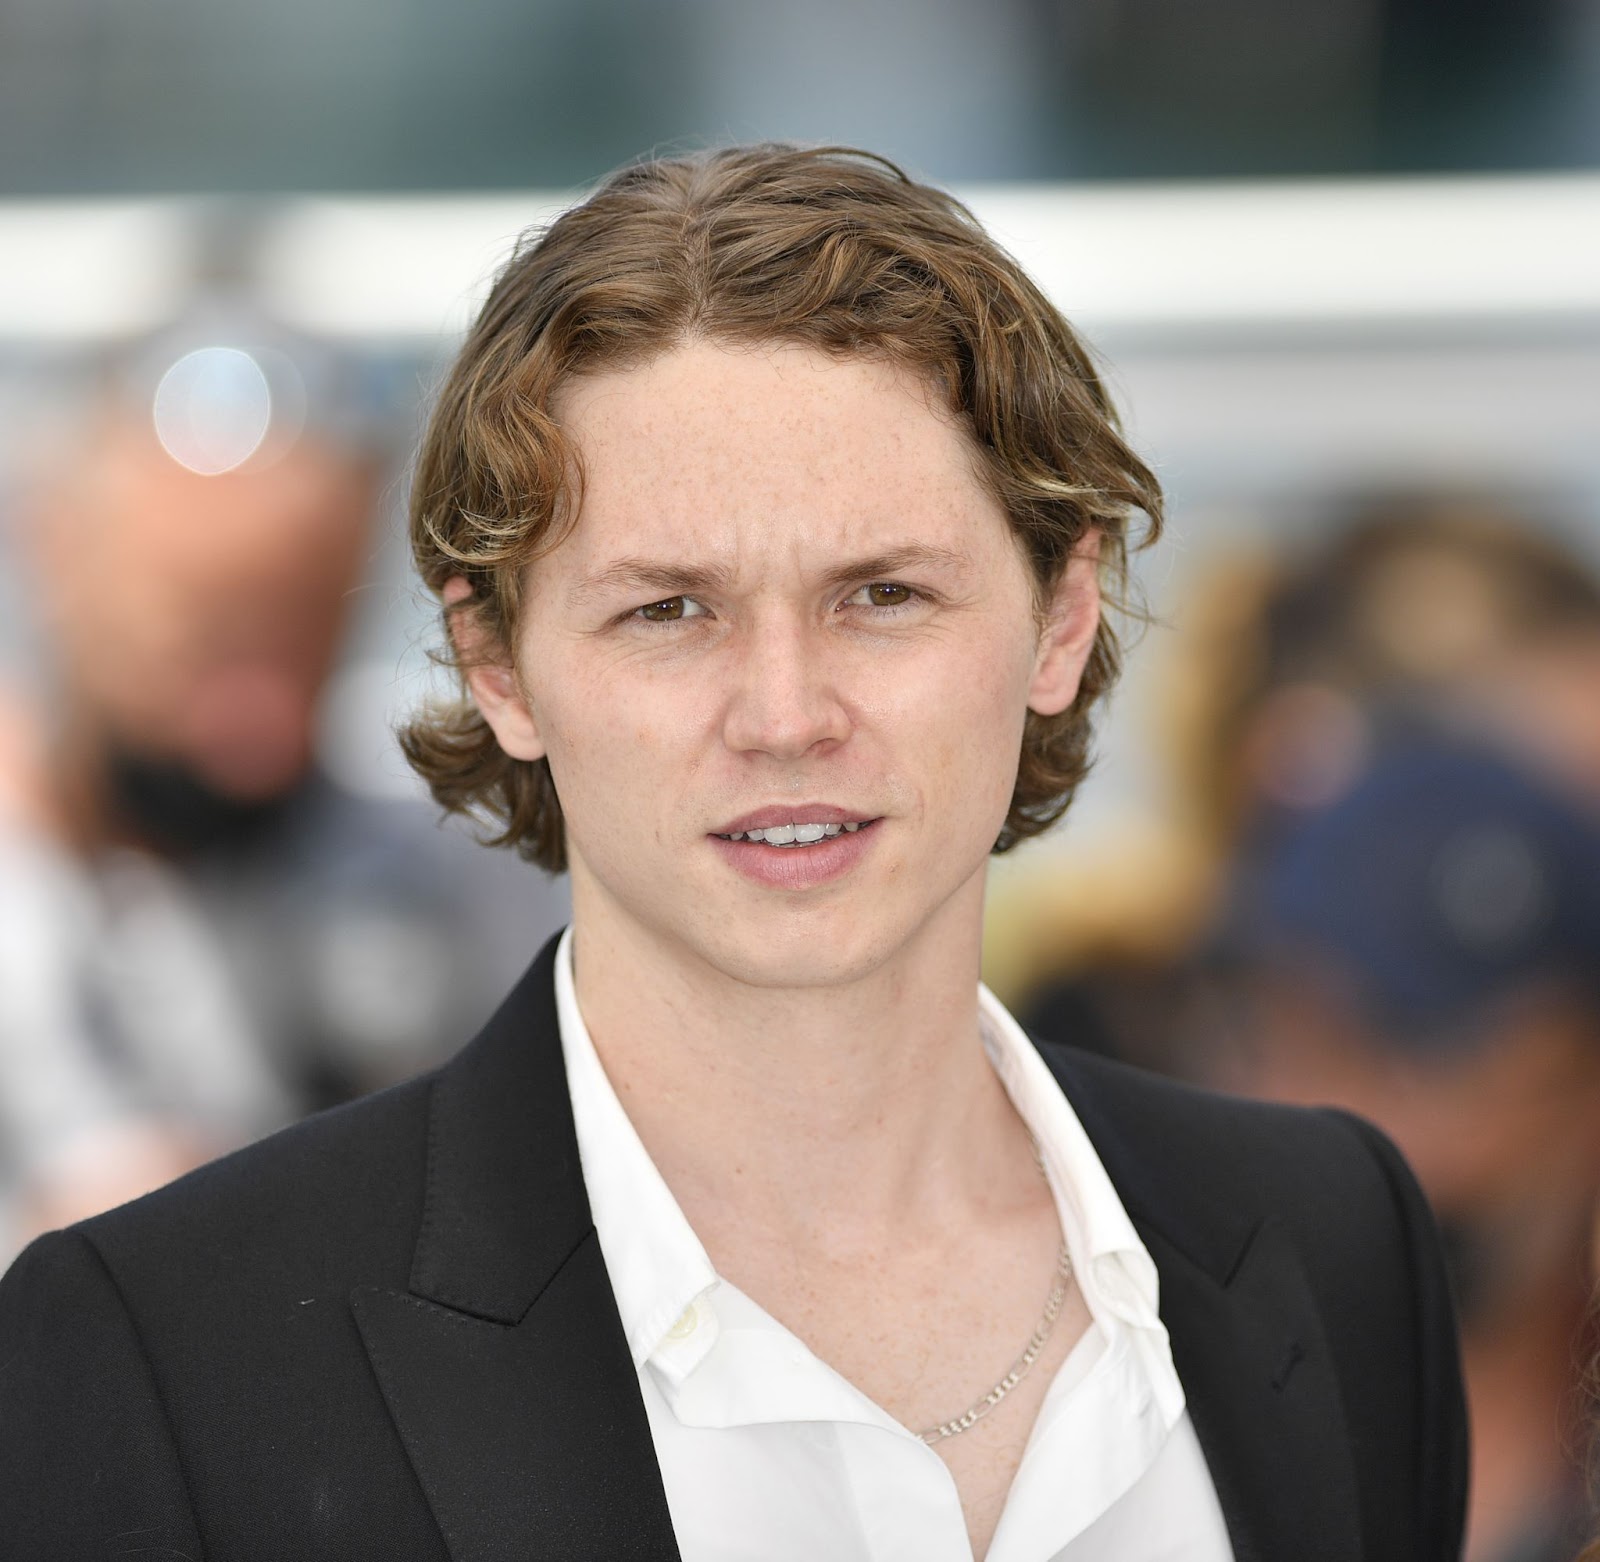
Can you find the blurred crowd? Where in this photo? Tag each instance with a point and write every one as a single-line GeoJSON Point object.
{"type": "Point", "coordinates": [1379, 891]}
{"type": "Point", "coordinates": [1382, 894]}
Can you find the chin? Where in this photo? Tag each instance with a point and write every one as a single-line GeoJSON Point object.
{"type": "Point", "coordinates": [796, 953]}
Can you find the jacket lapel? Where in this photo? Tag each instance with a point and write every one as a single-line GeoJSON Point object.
{"type": "Point", "coordinates": [1250, 1352]}
{"type": "Point", "coordinates": [1246, 1337]}
{"type": "Point", "coordinates": [506, 1371]}
{"type": "Point", "coordinates": [504, 1365]}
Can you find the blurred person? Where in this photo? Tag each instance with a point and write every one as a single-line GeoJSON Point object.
{"type": "Point", "coordinates": [1422, 619]}
{"type": "Point", "coordinates": [1425, 951]}
{"type": "Point", "coordinates": [201, 934]}
{"type": "Point", "coordinates": [1281, 665]}
{"type": "Point", "coordinates": [767, 504]}
{"type": "Point", "coordinates": [1467, 607]}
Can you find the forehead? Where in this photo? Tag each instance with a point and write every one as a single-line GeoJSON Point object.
{"type": "Point", "coordinates": [707, 442]}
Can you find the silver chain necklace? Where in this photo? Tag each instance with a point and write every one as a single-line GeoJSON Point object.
{"type": "Point", "coordinates": [1019, 1369]}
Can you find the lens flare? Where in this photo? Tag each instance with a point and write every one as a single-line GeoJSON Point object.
{"type": "Point", "coordinates": [212, 409]}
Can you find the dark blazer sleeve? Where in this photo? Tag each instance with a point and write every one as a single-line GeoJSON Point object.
{"type": "Point", "coordinates": [1442, 1448]}
{"type": "Point", "coordinates": [88, 1467]}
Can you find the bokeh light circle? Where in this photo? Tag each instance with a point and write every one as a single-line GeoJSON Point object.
{"type": "Point", "coordinates": [212, 409]}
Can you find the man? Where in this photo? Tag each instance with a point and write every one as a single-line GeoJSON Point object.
{"type": "Point", "coordinates": [767, 499]}
{"type": "Point", "coordinates": [204, 932]}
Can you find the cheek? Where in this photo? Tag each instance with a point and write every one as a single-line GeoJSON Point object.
{"type": "Point", "coordinates": [607, 743]}
{"type": "Point", "coordinates": [967, 722]}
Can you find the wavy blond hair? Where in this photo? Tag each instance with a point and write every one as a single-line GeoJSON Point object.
{"type": "Point", "coordinates": [829, 248]}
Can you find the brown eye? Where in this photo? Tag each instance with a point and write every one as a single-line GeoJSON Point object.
{"type": "Point", "coordinates": [887, 594]}
{"type": "Point", "coordinates": [671, 610]}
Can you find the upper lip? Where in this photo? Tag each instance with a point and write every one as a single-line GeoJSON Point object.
{"type": "Point", "coordinates": [792, 813]}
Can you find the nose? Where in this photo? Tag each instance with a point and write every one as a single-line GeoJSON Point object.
{"type": "Point", "coordinates": [784, 698]}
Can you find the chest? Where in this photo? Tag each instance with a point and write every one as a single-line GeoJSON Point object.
{"type": "Point", "coordinates": [807, 1468]}
{"type": "Point", "coordinates": [943, 1344]}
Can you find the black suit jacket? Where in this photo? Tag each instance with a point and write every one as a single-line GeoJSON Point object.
{"type": "Point", "coordinates": [387, 1333]}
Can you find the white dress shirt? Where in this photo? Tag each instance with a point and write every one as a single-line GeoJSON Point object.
{"type": "Point", "coordinates": [767, 1453]}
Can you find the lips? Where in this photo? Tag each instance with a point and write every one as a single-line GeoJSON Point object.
{"type": "Point", "coordinates": [794, 834]}
{"type": "Point", "coordinates": [793, 813]}
{"type": "Point", "coordinates": [802, 856]}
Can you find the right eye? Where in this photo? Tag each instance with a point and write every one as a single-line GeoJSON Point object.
{"type": "Point", "coordinates": [670, 610]}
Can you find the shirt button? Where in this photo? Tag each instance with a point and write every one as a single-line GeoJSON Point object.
{"type": "Point", "coordinates": [685, 1325]}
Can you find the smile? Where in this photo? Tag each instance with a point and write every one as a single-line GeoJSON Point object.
{"type": "Point", "coordinates": [791, 835]}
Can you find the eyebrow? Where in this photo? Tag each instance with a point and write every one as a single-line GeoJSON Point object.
{"type": "Point", "coordinates": [910, 557]}
{"type": "Point", "coordinates": [650, 577]}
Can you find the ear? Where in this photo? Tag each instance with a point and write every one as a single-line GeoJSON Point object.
{"type": "Point", "coordinates": [491, 675]}
{"type": "Point", "coordinates": [1073, 618]}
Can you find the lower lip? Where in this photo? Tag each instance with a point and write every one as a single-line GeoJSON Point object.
{"type": "Point", "coordinates": [798, 867]}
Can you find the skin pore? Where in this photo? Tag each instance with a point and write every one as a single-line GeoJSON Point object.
{"type": "Point", "coordinates": [788, 591]}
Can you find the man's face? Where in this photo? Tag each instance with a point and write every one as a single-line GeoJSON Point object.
{"type": "Point", "coordinates": [198, 617]}
{"type": "Point", "coordinates": [788, 600]}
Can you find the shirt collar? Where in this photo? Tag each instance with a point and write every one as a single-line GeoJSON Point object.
{"type": "Point", "coordinates": [659, 1270]}
{"type": "Point", "coordinates": [1112, 1266]}
{"type": "Point", "coordinates": [662, 1277]}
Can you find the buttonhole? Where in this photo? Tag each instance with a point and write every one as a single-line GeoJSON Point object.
{"type": "Point", "coordinates": [1291, 1359]}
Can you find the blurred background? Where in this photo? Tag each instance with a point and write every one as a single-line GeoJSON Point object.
{"type": "Point", "coordinates": [1342, 260]}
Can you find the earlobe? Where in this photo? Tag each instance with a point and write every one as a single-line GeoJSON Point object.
{"type": "Point", "coordinates": [1069, 633]}
{"type": "Point", "coordinates": [491, 677]}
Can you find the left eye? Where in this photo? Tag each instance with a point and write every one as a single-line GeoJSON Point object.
{"type": "Point", "coordinates": [883, 593]}
{"type": "Point", "coordinates": [670, 610]}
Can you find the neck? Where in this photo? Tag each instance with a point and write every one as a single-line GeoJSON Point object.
{"type": "Point", "coordinates": [863, 1107]}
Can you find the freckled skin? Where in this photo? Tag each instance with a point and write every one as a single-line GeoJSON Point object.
{"type": "Point", "coordinates": [804, 1064]}
{"type": "Point", "coordinates": [777, 465]}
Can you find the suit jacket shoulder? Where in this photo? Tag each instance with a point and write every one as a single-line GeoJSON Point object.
{"type": "Point", "coordinates": [181, 1366]}
{"type": "Point", "coordinates": [385, 1332]}
{"type": "Point", "coordinates": [1299, 1266]}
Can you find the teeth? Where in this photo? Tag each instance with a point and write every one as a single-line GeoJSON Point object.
{"type": "Point", "coordinates": [793, 834]}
